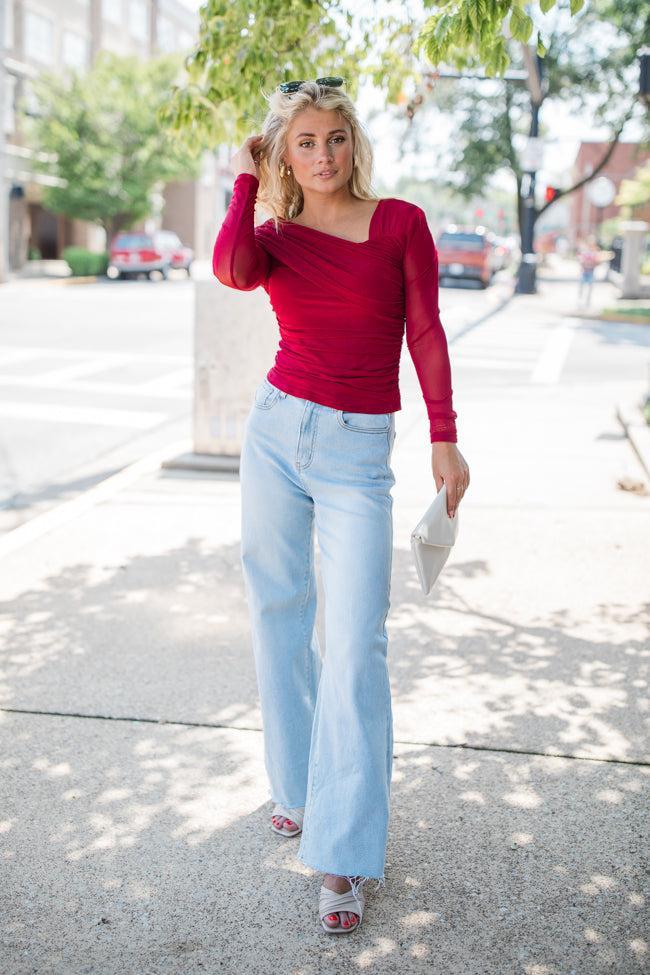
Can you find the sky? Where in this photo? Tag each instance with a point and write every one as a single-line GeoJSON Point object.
{"type": "Point", "coordinates": [563, 130]}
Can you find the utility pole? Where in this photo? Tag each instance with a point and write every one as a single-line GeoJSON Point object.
{"type": "Point", "coordinates": [531, 75]}
{"type": "Point", "coordinates": [527, 273]}
{"type": "Point", "coordinates": [4, 195]}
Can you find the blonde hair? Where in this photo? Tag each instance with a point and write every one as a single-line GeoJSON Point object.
{"type": "Point", "coordinates": [281, 196]}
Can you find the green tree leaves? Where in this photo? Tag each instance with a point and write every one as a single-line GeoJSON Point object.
{"type": "Point", "coordinates": [110, 150]}
{"type": "Point", "coordinates": [521, 25]}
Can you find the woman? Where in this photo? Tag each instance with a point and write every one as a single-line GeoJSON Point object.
{"type": "Point", "coordinates": [342, 270]}
{"type": "Point", "coordinates": [588, 258]}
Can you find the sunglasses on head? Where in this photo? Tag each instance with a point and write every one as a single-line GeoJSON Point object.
{"type": "Point", "coordinates": [288, 87]}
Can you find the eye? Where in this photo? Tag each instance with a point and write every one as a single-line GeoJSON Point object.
{"type": "Point", "coordinates": [336, 138]}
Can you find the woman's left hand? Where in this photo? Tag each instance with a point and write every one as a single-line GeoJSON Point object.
{"type": "Point", "coordinates": [449, 466]}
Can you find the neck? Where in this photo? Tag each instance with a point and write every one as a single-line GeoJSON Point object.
{"type": "Point", "coordinates": [325, 208]}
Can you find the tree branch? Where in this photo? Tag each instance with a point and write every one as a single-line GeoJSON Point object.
{"type": "Point", "coordinates": [603, 162]}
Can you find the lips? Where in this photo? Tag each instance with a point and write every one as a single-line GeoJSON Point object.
{"type": "Point", "coordinates": [327, 172]}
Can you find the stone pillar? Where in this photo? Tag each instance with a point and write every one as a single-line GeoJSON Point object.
{"type": "Point", "coordinates": [634, 234]}
{"type": "Point", "coordinates": [235, 341]}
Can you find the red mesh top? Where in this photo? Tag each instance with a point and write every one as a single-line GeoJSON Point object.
{"type": "Point", "coordinates": [342, 305]}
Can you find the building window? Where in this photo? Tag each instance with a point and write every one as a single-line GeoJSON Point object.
{"type": "Point", "coordinates": [170, 38]}
{"type": "Point", "coordinates": [10, 97]}
{"type": "Point", "coordinates": [28, 101]}
{"type": "Point", "coordinates": [112, 11]}
{"type": "Point", "coordinates": [9, 25]}
{"type": "Point", "coordinates": [39, 37]}
{"type": "Point", "coordinates": [75, 50]}
{"type": "Point", "coordinates": [139, 19]}
{"type": "Point", "coordinates": [166, 34]}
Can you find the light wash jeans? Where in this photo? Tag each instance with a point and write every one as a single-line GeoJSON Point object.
{"type": "Point", "coordinates": [328, 728]}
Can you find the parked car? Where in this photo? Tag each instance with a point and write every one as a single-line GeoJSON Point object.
{"type": "Point", "coordinates": [502, 253]}
{"type": "Point", "coordinates": [169, 243]}
{"type": "Point", "coordinates": [134, 252]}
{"type": "Point", "coordinates": [466, 253]}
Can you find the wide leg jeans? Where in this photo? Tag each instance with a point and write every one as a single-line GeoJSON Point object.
{"type": "Point", "coordinates": [327, 719]}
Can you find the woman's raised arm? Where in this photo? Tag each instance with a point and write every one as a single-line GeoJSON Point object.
{"type": "Point", "coordinates": [237, 259]}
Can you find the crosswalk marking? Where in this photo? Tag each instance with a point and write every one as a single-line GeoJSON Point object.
{"type": "Point", "coordinates": [10, 354]}
{"type": "Point", "coordinates": [75, 369]}
{"type": "Point", "coordinates": [162, 384]}
{"type": "Point", "coordinates": [551, 362]}
{"type": "Point", "coordinates": [85, 386]}
{"type": "Point", "coordinates": [489, 362]}
{"type": "Point", "coordinates": [56, 413]}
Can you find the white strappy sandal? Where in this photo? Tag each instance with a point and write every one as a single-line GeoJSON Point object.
{"type": "Point", "coordinates": [296, 815]}
{"type": "Point", "coordinates": [352, 900]}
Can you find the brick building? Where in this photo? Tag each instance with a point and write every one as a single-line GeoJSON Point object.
{"type": "Point", "coordinates": [626, 158]}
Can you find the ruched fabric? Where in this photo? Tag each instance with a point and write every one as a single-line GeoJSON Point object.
{"type": "Point", "coordinates": [343, 307]}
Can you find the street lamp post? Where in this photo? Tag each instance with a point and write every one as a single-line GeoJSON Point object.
{"type": "Point", "coordinates": [527, 273]}
{"type": "Point", "coordinates": [4, 196]}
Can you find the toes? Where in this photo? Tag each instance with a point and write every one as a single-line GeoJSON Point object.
{"type": "Point", "coordinates": [346, 919]}
{"type": "Point", "coordinates": [282, 821]}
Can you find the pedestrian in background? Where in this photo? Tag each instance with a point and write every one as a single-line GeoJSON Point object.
{"type": "Point", "coordinates": [588, 258]}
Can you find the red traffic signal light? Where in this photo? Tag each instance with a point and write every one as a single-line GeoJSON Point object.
{"type": "Point", "coordinates": [551, 193]}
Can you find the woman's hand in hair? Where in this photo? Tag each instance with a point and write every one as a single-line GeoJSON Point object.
{"type": "Point", "coordinates": [246, 160]}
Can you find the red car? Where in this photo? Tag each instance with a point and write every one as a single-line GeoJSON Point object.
{"type": "Point", "coordinates": [133, 253]}
{"type": "Point", "coordinates": [466, 253]}
{"type": "Point", "coordinates": [180, 255]}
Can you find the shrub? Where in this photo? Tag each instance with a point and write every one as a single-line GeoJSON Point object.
{"type": "Point", "coordinates": [83, 262]}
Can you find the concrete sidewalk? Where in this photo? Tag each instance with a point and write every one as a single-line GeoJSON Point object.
{"type": "Point", "coordinates": [135, 809]}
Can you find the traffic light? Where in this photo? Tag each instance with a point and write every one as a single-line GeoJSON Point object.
{"type": "Point", "coordinates": [551, 193]}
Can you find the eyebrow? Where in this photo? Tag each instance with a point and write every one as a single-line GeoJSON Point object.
{"type": "Point", "coordinates": [331, 132]}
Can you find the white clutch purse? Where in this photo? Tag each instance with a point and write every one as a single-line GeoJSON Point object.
{"type": "Point", "coordinates": [432, 540]}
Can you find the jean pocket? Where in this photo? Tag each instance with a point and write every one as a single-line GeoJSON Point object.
{"type": "Point", "coordinates": [266, 395]}
{"type": "Point", "coordinates": [364, 422]}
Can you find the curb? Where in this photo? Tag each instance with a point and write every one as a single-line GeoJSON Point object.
{"type": "Point", "coordinates": [637, 431]}
{"type": "Point", "coordinates": [81, 279]}
{"type": "Point", "coordinates": [626, 319]}
{"type": "Point", "coordinates": [85, 279]}
{"type": "Point", "coordinates": [67, 511]}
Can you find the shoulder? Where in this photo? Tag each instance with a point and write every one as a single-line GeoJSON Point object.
{"type": "Point", "coordinates": [403, 216]}
{"type": "Point", "coordinates": [402, 208]}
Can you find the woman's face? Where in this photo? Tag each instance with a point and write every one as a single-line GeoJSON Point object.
{"type": "Point", "coordinates": [320, 141]}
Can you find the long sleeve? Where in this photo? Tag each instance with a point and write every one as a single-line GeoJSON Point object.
{"type": "Point", "coordinates": [425, 336]}
{"type": "Point", "coordinates": [237, 259]}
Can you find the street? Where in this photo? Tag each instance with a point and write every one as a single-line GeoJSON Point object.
{"type": "Point", "coordinates": [91, 377]}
